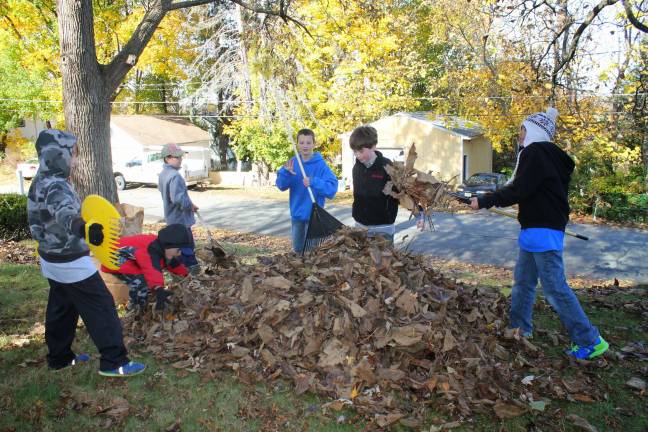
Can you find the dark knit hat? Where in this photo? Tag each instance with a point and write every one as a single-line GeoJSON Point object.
{"type": "Point", "coordinates": [174, 236]}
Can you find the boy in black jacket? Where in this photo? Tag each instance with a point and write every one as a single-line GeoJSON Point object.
{"type": "Point", "coordinates": [539, 185]}
{"type": "Point", "coordinates": [372, 209]}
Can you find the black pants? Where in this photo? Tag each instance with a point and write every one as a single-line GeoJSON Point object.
{"type": "Point", "coordinates": [91, 299]}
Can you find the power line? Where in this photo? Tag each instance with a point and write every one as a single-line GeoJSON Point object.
{"type": "Point", "coordinates": [407, 98]}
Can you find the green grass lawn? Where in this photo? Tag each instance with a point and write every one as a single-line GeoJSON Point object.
{"type": "Point", "coordinates": [164, 398]}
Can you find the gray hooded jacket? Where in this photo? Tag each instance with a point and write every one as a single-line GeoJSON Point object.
{"type": "Point", "coordinates": [53, 207]}
{"type": "Point", "coordinates": [175, 197]}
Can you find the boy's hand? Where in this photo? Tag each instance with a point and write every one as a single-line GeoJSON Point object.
{"type": "Point", "coordinates": [474, 203]}
{"type": "Point", "coordinates": [420, 224]}
{"type": "Point", "coordinates": [162, 299]}
{"type": "Point", "coordinates": [95, 234]}
{"type": "Point", "coordinates": [307, 182]}
{"type": "Point", "coordinates": [194, 208]}
{"type": "Point", "coordinates": [290, 166]}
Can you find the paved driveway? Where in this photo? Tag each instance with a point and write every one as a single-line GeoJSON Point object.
{"type": "Point", "coordinates": [482, 237]}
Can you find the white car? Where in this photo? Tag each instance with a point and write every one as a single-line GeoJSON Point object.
{"type": "Point", "coordinates": [145, 167]}
{"type": "Point", "coordinates": [28, 168]}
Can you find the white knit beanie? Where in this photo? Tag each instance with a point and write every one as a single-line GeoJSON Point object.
{"type": "Point", "coordinates": [540, 126]}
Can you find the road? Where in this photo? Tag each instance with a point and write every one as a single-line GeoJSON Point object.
{"type": "Point", "coordinates": [483, 237]}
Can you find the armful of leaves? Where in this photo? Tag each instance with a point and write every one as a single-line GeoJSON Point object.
{"type": "Point", "coordinates": [414, 190]}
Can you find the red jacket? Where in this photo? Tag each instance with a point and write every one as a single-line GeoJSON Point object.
{"type": "Point", "coordinates": [144, 254]}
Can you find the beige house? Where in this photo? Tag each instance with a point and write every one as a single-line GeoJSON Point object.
{"type": "Point", "coordinates": [447, 146]}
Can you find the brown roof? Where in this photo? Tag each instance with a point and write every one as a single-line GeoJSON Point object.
{"type": "Point", "coordinates": [159, 130]}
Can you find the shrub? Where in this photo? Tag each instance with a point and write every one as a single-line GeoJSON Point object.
{"type": "Point", "coordinates": [13, 217]}
{"type": "Point", "coordinates": [624, 207]}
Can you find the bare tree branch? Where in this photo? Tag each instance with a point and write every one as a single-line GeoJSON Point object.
{"type": "Point", "coordinates": [281, 13]}
{"type": "Point", "coordinates": [128, 55]}
{"type": "Point", "coordinates": [573, 46]}
{"type": "Point", "coordinates": [632, 18]}
{"type": "Point", "coordinates": [187, 4]}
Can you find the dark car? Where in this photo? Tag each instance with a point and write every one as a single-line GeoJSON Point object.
{"type": "Point", "coordinates": [482, 183]}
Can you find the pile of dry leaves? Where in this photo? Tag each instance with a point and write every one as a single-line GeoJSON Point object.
{"type": "Point", "coordinates": [414, 189]}
{"type": "Point", "coordinates": [367, 325]}
{"type": "Point", "coordinates": [17, 253]}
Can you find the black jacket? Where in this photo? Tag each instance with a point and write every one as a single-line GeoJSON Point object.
{"type": "Point", "coordinates": [370, 205]}
{"type": "Point", "coordinates": [540, 187]}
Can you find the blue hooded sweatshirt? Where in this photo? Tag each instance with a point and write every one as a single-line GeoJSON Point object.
{"type": "Point", "coordinates": [323, 183]}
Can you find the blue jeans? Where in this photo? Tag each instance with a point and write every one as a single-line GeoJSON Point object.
{"type": "Point", "coordinates": [548, 267]}
{"type": "Point", "coordinates": [189, 253]}
{"type": "Point", "coordinates": [299, 228]}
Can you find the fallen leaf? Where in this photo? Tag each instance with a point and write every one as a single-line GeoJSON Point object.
{"type": "Point", "coordinates": [333, 353]}
{"type": "Point", "coordinates": [445, 426]}
{"type": "Point", "coordinates": [279, 282]}
{"type": "Point", "coordinates": [636, 384]}
{"type": "Point", "coordinates": [449, 342]}
{"type": "Point", "coordinates": [581, 423]}
{"type": "Point", "coordinates": [505, 410]}
{"type": "Point", "coordinates": [389, 419]}
{"type": "Point", "coordinates": [538, 405]}
{"type": "Point", "coordinates": [583, 398]}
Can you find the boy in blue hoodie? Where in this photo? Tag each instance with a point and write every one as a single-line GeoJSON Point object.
{"type": "Point", "coordinates": [319, 178]}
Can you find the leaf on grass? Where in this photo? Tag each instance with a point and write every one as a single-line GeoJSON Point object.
{"type": "Point", "coordinates": [538, 405]}
{"type": "Point", "coordinates": [389, 419]}
{"type": "Point", "coordinates": [117, 409]}
{"type": "Point", "coordinates": [636, 384]}
{"type": "Point", "coordinates": [581, 423]}
{"type": "Point", "coordinates": [583, 398]}
{"type": "Point", "coordinates": [303, 383]}
{"type": "Point", "coordinates": [445, 426]}
{"type": "Point", "coordinates": [505, 410]}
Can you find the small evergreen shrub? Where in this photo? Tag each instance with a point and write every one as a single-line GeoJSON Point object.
{"type": "Point", "coordinates": [13, 217]}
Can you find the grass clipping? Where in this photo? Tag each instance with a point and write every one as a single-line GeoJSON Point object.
{"type": "Point", "coordinates": [361, 322]}
{"type": "Point", "coordinates": [414, 189]}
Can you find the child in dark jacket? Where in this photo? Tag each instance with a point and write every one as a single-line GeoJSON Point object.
{"type": "Point", "coordinates": [142, 258]}
{"type": "Point", "coordinates": [539, 185]}
{"type": "Point", "coordinates": [76, 288]}
{"type": "Point", "coordinates": [319, 177]}
{"type": "Point", "coordinates": [372, 209]}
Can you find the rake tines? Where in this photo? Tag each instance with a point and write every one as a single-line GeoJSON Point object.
{"type": "Point", "coordinates": [321, 225]}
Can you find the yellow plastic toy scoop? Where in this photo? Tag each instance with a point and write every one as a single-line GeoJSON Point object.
{"type": "Point", "coordinates": [97, 209]}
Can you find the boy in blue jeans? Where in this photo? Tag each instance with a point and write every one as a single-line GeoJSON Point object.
{"type": "Point", "coordinates": [539, 185]}
{"type": "Point", "coordinates": [319, 177]}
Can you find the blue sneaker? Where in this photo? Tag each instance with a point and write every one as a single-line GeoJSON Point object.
{"type": "Point", "coordinates": [77, 360]}
{"type": "Point", "coordinates": [127, 370]}
{"type": "Point", "coordinates": [590, 351]}
{"type": "Point", "coordinates": [80, 359]}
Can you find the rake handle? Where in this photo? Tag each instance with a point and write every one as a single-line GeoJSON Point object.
{"type": "Point", "coordinates": [465, 200]}
{"type": "Point", "coordinates": [301, 168]}
{"type": "Point", "coordinates": [514, 216]}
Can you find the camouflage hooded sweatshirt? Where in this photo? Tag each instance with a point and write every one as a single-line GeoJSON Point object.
{"type": "Point", "coordinates": [53, 207]}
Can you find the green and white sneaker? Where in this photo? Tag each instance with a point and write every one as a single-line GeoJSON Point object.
{"type": "Point", "coordinates": [590, 351]}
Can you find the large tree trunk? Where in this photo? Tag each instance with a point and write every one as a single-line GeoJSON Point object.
{"type": "Point", "coordinates": [86, 101]}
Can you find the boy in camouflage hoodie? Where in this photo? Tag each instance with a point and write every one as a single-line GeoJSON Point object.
{"type": "Point", "coordinates": [76, 288]}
